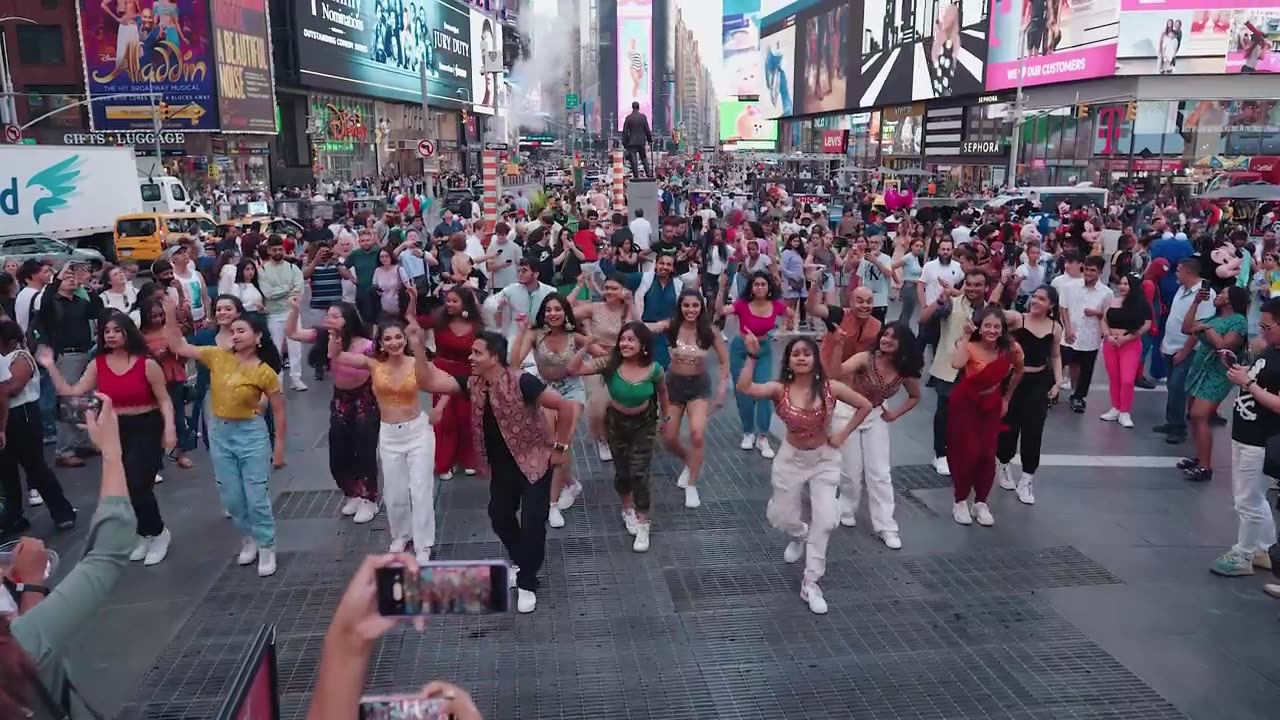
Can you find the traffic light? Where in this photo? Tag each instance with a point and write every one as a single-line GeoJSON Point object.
{"type": "Point", "coordinates": [1131, 111]}
{"type": "Point", "coordinates": [1082, 112]}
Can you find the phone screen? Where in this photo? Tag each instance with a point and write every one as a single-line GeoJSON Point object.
{"type": "Point", "coordinates": [445, 588]}
{"type": "Point", "coordinates": [72, 409]}
{"type": "Point", "coordinates": [400, 707]}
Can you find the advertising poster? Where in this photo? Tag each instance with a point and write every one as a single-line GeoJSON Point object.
{"type": "Point", "coordinates": [484, 37]}
{"type": "Point", "coordinates": [778, 60]}
{"type": "Point", "coordinates": [745, 121]}
{"type": "Point", "coordinates": [740, 40]}
{"type": "Point", "coordinates": [1254, 42]}
{"type": "Point", "coordinates": [919, 50]}
{"type": "Point", "coordinates": [379, 47]}
{"type": "Point", "coordinates": [1062, 42]}
{"type": "Point", "coordinates": [635, 57]}
{"type": "Point", "coordinates": [826, 40]}
{"type": "Point", "coordinates": [150, 46]}
{"type": "Point", "coordinates": [242, 48]}
{"type": "Point", "coordinates": [901, 130]}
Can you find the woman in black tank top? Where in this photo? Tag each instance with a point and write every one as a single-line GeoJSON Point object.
{"type": "Point", "coordinates": [1039, 332]}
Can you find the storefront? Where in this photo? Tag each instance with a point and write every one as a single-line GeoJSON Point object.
{"type": "Point", "coordinates": [343, 136]}
{"type": "Point", "coordinates": [966, 144]}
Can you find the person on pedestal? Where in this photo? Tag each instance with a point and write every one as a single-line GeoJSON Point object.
{"type": "Point", "coordinates": [635, 136]}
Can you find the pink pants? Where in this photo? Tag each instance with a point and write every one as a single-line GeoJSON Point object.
{"type": "Point", "coordinates": [1123, 364]}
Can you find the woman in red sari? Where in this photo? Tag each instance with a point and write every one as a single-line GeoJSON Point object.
{"type": "Point", "coordinates": [986, 357]}
{"type": "Point", "coordinates": [454, 328]}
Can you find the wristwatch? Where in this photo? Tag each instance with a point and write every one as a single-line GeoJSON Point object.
{"type": "Point", "coordinates": [19, 588]}
{"type": "Point", "coordinates": [560, 447]}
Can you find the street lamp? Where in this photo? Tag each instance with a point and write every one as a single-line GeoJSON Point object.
{"type": "Point", "coordinates": [8, 109]}
{"type": "Point", "coordinates": [1017, 112]}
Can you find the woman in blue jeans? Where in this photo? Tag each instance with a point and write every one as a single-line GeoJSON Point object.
{"type": "Point", "coordinates": [757, 310]}
{"type": "Point", "coordinates": [240, 379]}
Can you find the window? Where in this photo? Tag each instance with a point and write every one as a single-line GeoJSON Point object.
{"type": "Point", "coordinates": [49, 246]}
{"type": "Point", "coordinates": [41, 45]}
{"type": "Point", "coordinates": [178, 193]}
{"type": "Point", "coordinates": [136, 228]}
{"type": "Point", "coordinates": [150, 192]}
{"type": "Point", "coordinates": [20, 246]}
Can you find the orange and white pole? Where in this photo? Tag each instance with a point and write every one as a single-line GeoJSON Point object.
{"type": "Point", "coordinates": [489, 173]}
{"type": "Point", "coordinates": [619, 188]}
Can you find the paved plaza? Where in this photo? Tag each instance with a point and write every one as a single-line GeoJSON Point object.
{"type": "Point", "coordinates": [1095, 603]}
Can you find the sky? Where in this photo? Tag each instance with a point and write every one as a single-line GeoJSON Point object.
{"type": "Point", "coordinates": [703, 17]}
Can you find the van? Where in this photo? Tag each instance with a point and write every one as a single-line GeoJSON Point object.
{"type": "Point", "coordinates": [164, 194]}
{"type": "Point", "coordinates": [1079, 196]}
{"type": "Point", "coordinates": [144, 237]}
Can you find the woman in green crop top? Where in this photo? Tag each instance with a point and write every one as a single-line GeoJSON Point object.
{"type": "Point", "coordinates": [638, 408]}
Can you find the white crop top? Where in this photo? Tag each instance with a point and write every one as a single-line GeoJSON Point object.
{"type": "Point", "coordinates": [31, 391]}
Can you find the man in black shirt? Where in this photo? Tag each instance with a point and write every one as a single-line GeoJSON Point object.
{"type": "Point", "coordinates": [538, 250]}
{"type": "Point", "coordinates": [621, 232]}
{"type": "Point", "coordinates": [64, 325]}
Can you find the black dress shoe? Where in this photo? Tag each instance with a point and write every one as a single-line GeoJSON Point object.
{"type": "Point", "coordinates": [1144, 383]}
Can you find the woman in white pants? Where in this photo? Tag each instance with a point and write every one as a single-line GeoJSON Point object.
{"type": "Point", "coordinates": [406, 440]}
{"type": "Point", "coordinates": [877, 375]}
{"type": "Point", "coordinates": [805, 401]}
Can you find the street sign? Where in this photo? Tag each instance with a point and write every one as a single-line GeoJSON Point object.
{"type": "Point", "coordinates": [571, 101]}
{"type": "Point", "coordinates": [12, 133]}
{"type": "Point", "coordinates": [496, 146]}
{"type": "Point", "coordinates": [426, 148]}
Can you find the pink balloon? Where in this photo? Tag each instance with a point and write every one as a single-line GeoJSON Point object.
{"type": "Point", "coordinates": [907, 199]}
{"type": "Point", "coordinates": [891, 199]}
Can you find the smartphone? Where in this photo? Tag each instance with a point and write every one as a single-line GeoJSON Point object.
{"type": "Point", "coordinates": [1227, 357]}
{"type": "Point", "coordinates": [72, 409]}
{"type": "Point", "coordinates": [473, 587]}
{"type": "Point", "coordinates": [401, 707]}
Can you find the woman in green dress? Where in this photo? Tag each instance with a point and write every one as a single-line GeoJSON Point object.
{"type": "Point", "coordinates": [1207, 384]}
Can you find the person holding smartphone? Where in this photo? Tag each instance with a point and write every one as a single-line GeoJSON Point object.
{"type": "Point", "coordinates": [66, 327]}
{"type": "Point", "coordinates": [1220, 340]}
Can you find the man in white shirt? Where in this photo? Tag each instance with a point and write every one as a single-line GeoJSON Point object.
{"type": "Point", "coordinates": [961, 234]}
{"type": "Point", "coordinates": [942, 272]}
{"type": "Point", "coordinates": [1085, 304]}
{"type": "Point", "coordinates": [33, 275]}
{"type": "Point", "coordinates": [194, 294]}
{"type": "Point", "coordinates": [1192, 296]}
{"type": "Point", "coordinates": [505, 254]}
{"type": "Point", "coordinates": [515, 307]}
{"type": "Point", "coordinates": [641, 231]}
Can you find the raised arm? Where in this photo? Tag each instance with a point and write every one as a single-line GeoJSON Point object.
{"type": "Point", "coordinates": [173, 337]}
{"type": "Point", "coordinates": [88, 381]}
{"type": "Point", "coordinates": [746, 385]}
{"type": "Point", "coordinates": [291, 328]}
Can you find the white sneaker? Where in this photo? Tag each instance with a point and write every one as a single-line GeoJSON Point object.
{"type": "Point", "coordinates": [140, 550]}
{"type": "Point", "coordinates": [34, 499]}
{"type": "Point", "coordinates": [226, 513]}
{"type": "Point", "coordinates": [1126, 420]}
{"type": "Point", "coordinates": [248, 551]}
{"type": "Point", "coordinates": [1004, 477]}
{"type": "Point", "coordinates": [300, 386]}
{"type": "Point", "coordinates": [748, 441]}
{"type": "Point", "coordinates": [569, 495]}
{"type": "Point", "coordinates": [766, 450]}
{"type": "Point", "coordinates": [603, 451]}
{"type": "Point", "coordinates": [526, 601]}
{"type": "Point", "coordinates": [1110, 416]}
{"type": "Point", "coordinates": [941, 467]}
{"type": "Point", "coordinates": [683, 480]}
{"type": "Point", "coordinates": [960, 513]}
{"type": "Point", "coordinates": [982, 513]}
{"type": "Point", "coordinates": [469, 472]}
{"type": "Point", "coordinates": [447, 475]}
{"type": "Point", "coordinates": [691, 499]}
{"type": "Point", "coordinates": [554, 518]}
{"type": "Point", "coordinates": [423, 556]}
{"type": "Point", "coordinates": [267, 561]}
{"type": "Point", "coordinates": [350, 506]}
{"type": "Point", "coordinates": [812, 594]}
{"type": "Point", "coordinates": [1025, 493]}
{"type": "Point", "coordinates": [511, 576]}
{"type": "Point", "coordinates": [366, 511]}
{"type": "Point", "coordinates": [159, 548]}
{"type": "Point", "coordinates": [794, 551]}
{"type": "Point", "coordinates": [642, 538]}
{"type": "Point", "coordinates": [891, 540]}
{"type": "Point", "coordinates": [630, 520]}
{"type": "Point", "coordinates": [398, 545]}
{"type": "Point", "coordinates": [159, 479]}
{"type": "Point", "coordinates": [1065, 386]}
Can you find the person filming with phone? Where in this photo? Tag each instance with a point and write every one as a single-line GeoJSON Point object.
{"type": "Point", "coordinates": [65, 326]}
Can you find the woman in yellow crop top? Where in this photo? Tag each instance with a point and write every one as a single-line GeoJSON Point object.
{"type": "Point", "coordinates": [406, 440]}
{"type": "Point", "coordinates": [239, 443]}
{"type": "Point", "coordinates": [638, 408]}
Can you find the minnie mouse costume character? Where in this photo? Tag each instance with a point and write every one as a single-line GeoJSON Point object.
{"type": "Point", "coordinates": [1221, 263]}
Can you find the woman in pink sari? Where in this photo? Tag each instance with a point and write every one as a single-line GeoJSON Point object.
{"type": "Point", "coordinates": [986, 357]}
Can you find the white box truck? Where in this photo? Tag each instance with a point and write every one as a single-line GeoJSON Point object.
{"type": "Point", "coordinates": [74, 193]}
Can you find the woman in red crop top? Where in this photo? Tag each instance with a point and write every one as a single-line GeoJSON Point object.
{"type": "Point", "coordinates": [124, 371]}
{"type": "Point", "coordinates": [454, 327]}
{"type": "Point", "coordinates": [810, 454]}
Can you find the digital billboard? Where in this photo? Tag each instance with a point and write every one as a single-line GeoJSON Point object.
{"type": "Point", "coordinates": [919, 50]}
{"type": "Point", "coordinates": [826, 39]}
{"type": "Point", "coordinates": [745, 121]}
{"type": "Point", "coordinates": [635, 57]}
{"type": "Point", "coordinates": [151, 47]}
{"type": "Point", "coordinates": [484, 37]}
{"type": "Point", "coordinates": [1253, 42]}
{"type": "Point", "coordinates": [1061, 42]}
{"type": "Point", "coordinates": [740, 41]}
{"type": "Point", "coordinates": [371, 48]}
{"type": "Point", "coordinates": [778, 62]}
{"type": "Point", "coordinates": [242, 48]}
{"type": "Point", "coordinates": [1186, 37]}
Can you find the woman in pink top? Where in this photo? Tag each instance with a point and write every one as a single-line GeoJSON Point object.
{"type": "Point", "coordinates": [354, 419]}
{"type": "Point", "coordinates": [757, 311]}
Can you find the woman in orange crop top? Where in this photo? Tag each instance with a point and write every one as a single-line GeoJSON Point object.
{"type": "Point", "coordinates": [354, 419]}
{"type": "Point", "coordinates": [406, 439]}
{"type": "Point", "coordinates": [810, 454]}
{"type": "Point", "coordinates": [986, 356]}
{"type": "Point", "coordinates": [124, 371]}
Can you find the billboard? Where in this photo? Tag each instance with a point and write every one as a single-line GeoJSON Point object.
{"type": "Point", "coordinates": [1253, 41]}
{"type": "Point", "coordinates": [1186, 37]}
{"type": "Point", "coordinates": [778, 60]}
{"type": "Point", "coordinates": [919, 50]}
{"type": "Point", "coordinates": [745, 121]}
{"type": "Point", "coordinates": [372, 48]}
{"type": "Point", "coordinates": [1060, 43]}
{"type": "Point", "coordinates": [825, 39]}
{"type": "Point", "coordinates": [740, 40]}
{"type": "Point", "coordinates": [484, 37]}
{"type": "Point", "coordinates": [635, 57]}
{"type": "Point", "coordinates": [242, 48]}
{"type": "Point", "coordinates": [148, 47]}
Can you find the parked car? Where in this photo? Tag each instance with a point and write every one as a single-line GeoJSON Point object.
{"type": "Point", "coordinates": [457, 198]}
{"type": "Point", "coordinates": [39, 247]}
{"type": "Point", "coordinates": [556, 178]}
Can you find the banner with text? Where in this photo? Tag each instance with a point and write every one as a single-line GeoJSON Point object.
{"type": "Point", "coordinates": [1076, 46]}
{"type": "Point", "coordinates": [242, 47]}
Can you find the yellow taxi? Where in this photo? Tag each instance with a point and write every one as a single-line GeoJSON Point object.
{"type": "Point", "coordinates": [143, 237]}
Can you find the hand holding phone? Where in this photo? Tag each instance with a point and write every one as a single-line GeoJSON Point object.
{"type": "Point", "coordinates": [1227, 357]}
{"type": "Point", "coordinates": [73, 408]}
{"type": "Point", "coordinates": [444, 588]}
